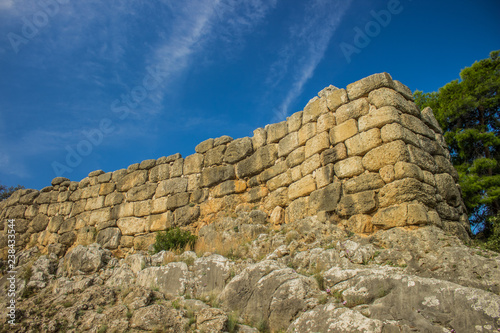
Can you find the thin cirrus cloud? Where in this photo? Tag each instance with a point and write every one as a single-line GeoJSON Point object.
{"type": "Point", "coordinates": [306, 46]}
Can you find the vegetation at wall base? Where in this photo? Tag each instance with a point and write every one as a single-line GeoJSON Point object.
{"type": "Point", "coordinates": [173, 239]}
{"type": "Point", "coordinates": [469, 111]}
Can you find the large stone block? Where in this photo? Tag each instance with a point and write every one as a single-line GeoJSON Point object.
{"type": "Point", "coordinates": [306, 132]}
{"type": "Point", "coordinates": [301, 188]}
{"type": "Point", "coordinates": [230, 187]}
{"type": "Point", "coordinates": [387, 154]}
{"type": "Point", "coordinates": [446, 187]}
{"type": "Point", "coordinates": [142, 192]}
{"type": "Point", "coordinates": [238, 150]}
{"type": "Point", "coordinates": [395, 131]}
{"type": "Point", "coordinates": [427, 116]}
{"type": "Point", "coordinates": [407, 170]}
{"type": "Point", "coordinates": [256, 194]}
{"type": "Point", "coordinates": [324, 175]}
{"type": "Point", "coordinates": [176, 168]}
{"type": "Point", "coordinates": [314, 109]}
{"type": "Point", "coordinates": [178, 200]}
{"type": "Point", "coordinates": [284, 179]}
{"type": "Point", "coordinates": [325, 122]}
{"type": "Point", "coordinates": [216, 175]}
{"type": "Point", "coordinates": [171, 186]}
{"type": "Point", "coordinates": [332, 155]}
{"type": "Point", "coordinates": [423, 159]}
{"type": "Point", "coordinates": [109, 238]}
{"type": "Point", "coordinates": [349, 167]}
{"type": "Point", "coordinates": [186, 215]}
{"type": "Point", "coordinates": [363, 142]}
{"type": "Point", "coordinates": [133, 179]}
{"type": "Point", "coordinates": [142, 208]}
{"type": "Point", "coordinates": [379, 117]}
{"type": "Point", "coordinates": [159, 172]}
{"type": "Point", "coordinates": [131, 225]}
{"type": "Point", "coordinates": [360, 223]}
{"type": "Point", "coordinates": [336, 99]}
{"type": "Point", "coordinates": [417, 126]}
{"type": "Point", "coordinates": [288, 144]}
{"type": "Point", "coordinates": [259, 138]}
{"type": "Point", "coordinates": [403, 90]}
{"type": "Point", "coordinates": [344, 131]}
{"type": "Point", "coordinates": [388, 97]}
{"type": "Point", "coordinates": [364, 182]}
{"type": "Point", "coordinates": [106, 188]}
{"type": "Point", "coordinates": [222, 140]}
{"type": "Point", "coordinates": [390, 217]}
{"type": "Point", "coordinates": [40, 222]}
{"type": "Point", "coordinates": [296, 157]}
{"type": "Point", "coordinates": [294, 122]}
{"type": "Point", "coordinates": [297, 210]}
{"type": "Point", "coordinates": [364, 86]}
{"type": "Point", "coordinates": [192, 164]}
{"type": "Point", "coordinates": [204, 146]}
{"type": "Point", "coordinates": [406, 190]}
{"type": "Point", "coordinates": [327, 198]}
{"type": "Point", "coordinates": [352, 110]}
{"type": "Point", "coordinates": [272, 172]}
{"type": "Point", "coordinates": [317, 144]}
{"type": "Point", "coordinates": [444, 166]}
{"type": "Point", "coordinates": [214, 156]}
{"type": "Point", "coordinates": [358, 203]}
{"type": "Point", "coordinates": [311, 164]}
{"type": "Point", "coordinates": [160, 222]}
{"type": "Point", "coordinates": [275, 132]}
{"type": "Point", "coordinates": [262, 159]}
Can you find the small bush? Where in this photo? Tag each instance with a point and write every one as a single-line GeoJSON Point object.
{"type": "Point", "coordinates": [173, 239]}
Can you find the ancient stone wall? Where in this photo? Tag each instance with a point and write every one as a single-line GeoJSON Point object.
{"type": "Point", "coordinates": [365, 157]}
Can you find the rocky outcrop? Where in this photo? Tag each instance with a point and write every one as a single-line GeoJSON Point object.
{"type": "Point", "coordinates": [364, 157]}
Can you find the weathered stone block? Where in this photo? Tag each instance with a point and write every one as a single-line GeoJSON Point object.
{"type": "Point", "coordinates": [447, 212]}
{"type": "Point", "coordinates": [417, 126]}
{"type": "Point", "coordinates": [395, 131]}
{"type": "Point", "coordinates": [358, 203]}
{"type": "Point", "coordinates": [379, 117]}
{"type": "Point", "coordinates": [131, 225]}
{"type": "Point", "coordinates": [262, 159]}
{"type": "Point", "coordinates": [313, 110]}
{"type": "Point", "coordinates": [113, 199]}
{"type": "Point", "coordinates": [54, 224]}
{"type": "Point", "coordinates": [349, 167]}
{"type": "Point", "coordinates": [325, 122]}
{"type": "Point", "coordinates": [364, 86]}
{"type": "Point", "coordinates": [363, 142]}
{"type": "Point", "coordinates": [109, 238]}
{"type": "Point", "coordinates": [176, 168]}
{"type": "Point", "coordinates": [423, 159]}
{"type": "Point", "coordinates": [301, 188]}
{"type": "Point", "coordinates": [403, 90]}
{"type": "Point", "coordinates": [256, 194]}
{"type": "Point", "coordinates": [387, 173]}
{"type": "Point", "coordinates": [277, 216]}
{"type": "Point", "coordinates": [94, 203]}
{"type": "Point", "coordinates": [390, 217]}
{"type": "Point", "coordinates": [214, 156]}
{"type": "Point", "coordinates": [194, 181]}
{"type": "Point", "coordinates": [360, 223]}
{"type": "Point", "coordinates": [142, 208]}
{"type": "Point", "coordinates": [297, 210]}
{"type": "Point", "coordinates": [177, 200]}
{"type": "Point", "coordinates": [306, 132]}
{"type": "Point", "coordinates": [193, 164]}
{"type": "Point", "coordinates": [332, 155]}
{"type": "Point", "coordinates": [388, 97]}
{"type": "Point", "coordinates": [336, 99]}
{"type": "Point", "coordinates": [406, 190]}
{"type": "Point", "coordinates": [230, 187]}
{"type": "Point", "coordinates": [100, 216]}
{"type": "Point", "coordinates": [238, 150]}
{"type": "Point", "coordinates": [296, 173]}
{"type": "Point", "coordinates": [389, 153]}
{"type": "Point", "coordinates": [446, 187]}
{"type": "Point", "coordinates": [311, 164]}
{"type": "Point", "coordinates": [222, 140]}
{"type": "Point", "coordinates": [160, 222]}
{"type": "Point", "coordinates": [171, 186]}
{"type": "Point", "coordinates": [215, 175]}
{"type": "Point", "coordinates": [324, 176]}
{"type": "Point", "coordinates": [284, 179]}
{"type": "Point", "coordinates": [427, 116]}
{"type": "Point", "coordinates": [159, 172]}
{"type": "Point", "coordinates": [407, 170]}
{"type": "Point", "coordinates": [344, 131]}
{"type": "Point", "coordinates": [142, 192]}
{"type": "Point", "coordinates": [106, 188]}
{"type": "Point", "coordinates": [294, 122]}
{"type": "Point", "coordinates": [327, 198]}
{"type": "Point", "coordinates": [352, 110]}
{"type": "Point", "coordinates": [364, 182]}
{"type": "Point", "coordinates": [186, 215]}
{"type": "Point", "coordinates": [296, 157]}
{"type": "Point", "coordinates": [133, 179]}
{"type": "Point", "coordinates": [288, 144]}
{"type": "Point", "coordinates": [275, 132]}
{"type": "Point", "coordinates": [144, 242]}
{"type": "Point", "coordinates": [159, 205]}
{"type": "Point", "coordinates": [444, 166]}
{"type": "Point", "coordinates": [259, 138]}
{"type": "Point", "coordinates": [417, 214]}
{"type": "Point", "coordinates": [204, 146]}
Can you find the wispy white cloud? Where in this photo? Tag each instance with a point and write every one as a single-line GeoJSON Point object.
{"type": "Point", "coordinates": [305, 48]}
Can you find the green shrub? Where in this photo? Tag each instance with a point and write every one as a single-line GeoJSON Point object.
{"type": "Point", "coordinates": [173, 239]}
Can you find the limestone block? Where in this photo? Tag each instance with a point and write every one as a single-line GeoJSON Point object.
{"type": "Point", "coordinates": [124, 210]}
{"type": "Point", "coordinates": [159, 172]}
{"type": "Point", "coordinates": [176, 168]}
{"type": "Point", "coordinates": [344, 131]}
{"type": "Point", "coordinates": [430, 146]}
{"type": "Point", "coordinates": [177, 200]}
{"type": "Point", "coordinates": [273, 171]}
{"type": "Point", "coordinates": [358, 203]}
{"type": "Point", "coordinates": [294, 122]}
{"type": "Point", "coordinates": [160, 222]}
{"type": "Point", "coordinates": [194, 181]}
{"type": "Point", "coordinates": [407, 170]}
{"type": "Point", "coordinates": [86, 236]}
{"type": "Point", "coordinates": [423, 159]}
{"type": "Point", "coordinates": [379, 117]}
{"type": "Point", "coordinates": [349, 167]}
{"type": "Point", "coordinates": [387, 173]}
{"type": "Point", "coordinates": [109, 238]}
{"type": "Point", "coordinates": [288, 144]}
{"type": "Point", "coordinates": [159, 205]}
{"type": "Point", "coordinates": [429, 178]}
{"type": "Point", "coordinates": [313, 110]}
{"type": "Point", "coordinates": [284, 179]}
{"type": "Point", "coordinates": [275, 132]}
{"type": "Point", "coordinates": [406, 190]}
{"type": "Point", "coordinates": [263, 158]}
{"type": "Point", "coordinates": [302, 187]}
{"type": "Point", "coordinates": [222, 140]}
{"type": "Point", "coordinates": [211, 206]}
{"type": "Point", "coordinates": [336, 99]}
{"type": "Point", "coordinates": [89, 192]}
{"type": "Point", "coordinates": [105, 224]}
{"type": "Point", "coordinates": [256, 194]}
{"type": "Point", "coordinates": [67, 238]}
{"type": "Point", "coordinates": [325, 122]}
{"type": "Point", "coordinates": [204, 146]}
{"type": "Point", "coordinates": [444, 166]}
{"type": "Point", "coordinates": [363, 182]}
{"type": "Point", "coordinates": [230, 187]}
{"type": "Point", "coordinates": [113, 199]}
{"type": "Point", "coordinates": [332, 155]}
{"type": "Point", "coordinates": [427, 116]}
{"type": "Point", "coordinates": [94, 203]}
{"type": "Point", "coordinates": [186, 215]}
{"type": "Point", "coordinates": [317, 144]}
{"type": "Point", "coordinates": [127, 241]}
{"type": "Point", "coordinates": [53, 209]}
{"type": "Point", "coordinates": [100, 216]}
{"type": "Point", "coordinates": [352, 110]}
{"type": "Point", "coordinates": [360, 223]}
{"type": "Point", "coordinates": [144, 242]}
{"type": "Point", "coordinates": [388, 97]}
{"type": "Point", "coordinates": [277, 216]}
{"type": "Point", "coordinates": [192, 164]}
{"type": "Point", "coordinates": [105, 177]}
{"type": "Point", "coordinates": [417, 214]}
{"type": "Point", "coordinates": [131, 168]}
{"type": "Point", "coordinates": [296, 157]}
{"type": "Point", "coordinates": [199, 195]}
{"type": "Point", "coordinates": [31, 211]}
{"type": "Point", "coordinates": [390, 217]}
{"type": "Point", "coordinates": [142, 208]}
{"type": "Point", "coordinates": [327, 198]}
{"type": "Point", "coordinates": [58, 180]}
{"type": "Point", "coordinates": [259, 138]}
{"type": "Point", "coordinates": [447, 212]}
{"type": "Point", "coordinates": [214, 156]}
{"type": "Point", "coordinates": [215, 175]}
{"type": "Point", "coordinates": [324, 175]}
{"type": "Point", "coordinates": [446, 187]}
{"type": "Point", "coordinates": [403, 90]}
{"type": "Point", "coordinates": [55, 223]}
{"type": "Point", "coordinates": [296, 173]}
{"type": "Point", "coordinates": [417, 126]}
{"type": "Point", "coordinates": [238, 150]}
{"type": "Point", "coordinates": [171, 186]}
{"type": "Point", "coordinates": [364, 86]}
{"type": "Point", "coordinates": [118, 174]}
{"type": "Point", "coordinates": [297, 210]}
{"type": "Point", "coordinates": [387, 154]}
{"type": "Point", "coordinates": [147, 164]}
{"type": "Point", "coordinates": [142, 192]}
{"type": "Point", "coordinates": [306, 132]}
{"type": "Point", "coordinates": [106, 188]}
{"type": "Point", "coordinates": [130, 180]}
{"type": "Point", "coordinates": [131, 225]}
{"type": "Point", "coordinates": [363, 142]}
{"type": "Point", "coordinates": [311, 164]}
{"type": "Point", "coordinates": [394, 131]}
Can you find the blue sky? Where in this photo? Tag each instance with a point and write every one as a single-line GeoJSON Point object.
{"type": "Point", "coordinates": [88, 85]}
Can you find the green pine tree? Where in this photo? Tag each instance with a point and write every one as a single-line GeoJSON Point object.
{"type": "Point", "coordinates": [6, 192]}
{"type": "Point", "coordinates": [468, 111]}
